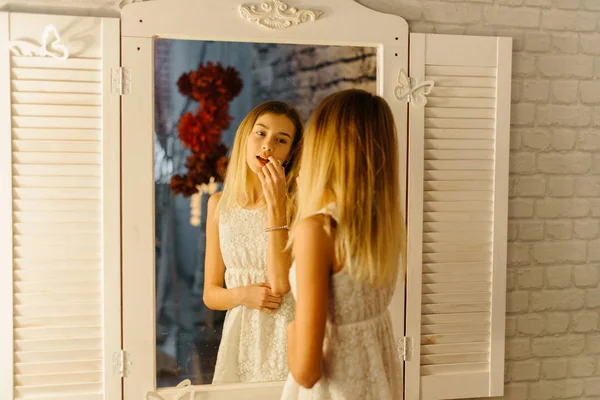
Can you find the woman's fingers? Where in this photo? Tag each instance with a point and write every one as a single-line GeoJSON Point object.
{"type": "Point", "coordinates": [271, 175]}
{"type": "Point", "coordinates": [270, 170]}
{"type": "Point", "coordinates": [274, 298]}
{"type": "Point", "coordinates": [272, 305]}
{"type": "Point", "coordinates": [276, 167]}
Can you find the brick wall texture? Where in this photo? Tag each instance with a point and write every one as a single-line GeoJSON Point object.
{"type": "Point", "coordinates": [303, 75]}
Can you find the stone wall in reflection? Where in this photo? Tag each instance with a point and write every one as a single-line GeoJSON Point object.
{"type": "Point", "coordinates": [304, 75]}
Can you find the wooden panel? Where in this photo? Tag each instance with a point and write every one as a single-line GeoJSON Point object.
{"type": "Point", "coordinates": [6, 224]}
{"type": "Point", "coordinates": [452, 51]}
{"type": "Point", "coordinates": [457, 221]}
{"type": "Point", "coordinates": [63, 130]}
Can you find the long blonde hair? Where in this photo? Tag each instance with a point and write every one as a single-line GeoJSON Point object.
{"type": "Point", "coordinates": [236, 184]}
{"type": "Point", "coordinates": [350, 156]}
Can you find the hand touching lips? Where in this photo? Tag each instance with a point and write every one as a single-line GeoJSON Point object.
{"type": "Point", "coordinates": [264, 161]}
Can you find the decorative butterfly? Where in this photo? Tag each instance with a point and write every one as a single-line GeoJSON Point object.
{"type": "Point", "coordinates": [409, 90]}
{"type": "Point", "coordinates": [49, 46]}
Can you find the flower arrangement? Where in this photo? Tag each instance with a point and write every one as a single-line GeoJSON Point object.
{"type": "Point", "coordinates": [213, 87]}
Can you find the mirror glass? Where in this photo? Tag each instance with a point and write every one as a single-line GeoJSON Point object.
{"type": "Point", "coordinates": [241, 76]}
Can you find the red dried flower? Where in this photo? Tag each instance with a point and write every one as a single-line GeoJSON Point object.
{"type": "Point", "coordinates": [213, 87]}
{"type": "Point", "coordinates": [184, 84]}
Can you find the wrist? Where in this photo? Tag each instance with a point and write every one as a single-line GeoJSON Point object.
{"type": "Point", "coordinates": [276, 216]}
{"type": "Point", "coordinates": [239, 296]}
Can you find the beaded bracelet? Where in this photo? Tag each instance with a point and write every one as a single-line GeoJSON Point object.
{"type": "Point", "coordinates": [278, 228]}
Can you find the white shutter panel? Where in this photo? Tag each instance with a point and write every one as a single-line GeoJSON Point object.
{"type": "Point", "coordinates": [60, 238]}
{"type": "Point", "coordinates": [457, 219]}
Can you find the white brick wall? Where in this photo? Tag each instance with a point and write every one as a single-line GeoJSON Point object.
{"type": "Point", "coordinates": [553, 335]}
{"type": "Point", "coordinates": [553, 332]}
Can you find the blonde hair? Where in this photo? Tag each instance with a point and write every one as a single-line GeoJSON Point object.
{"type": "Point", "coordinates": [350, 156]}
{"type": "Point", "coordinates": [235, 190]}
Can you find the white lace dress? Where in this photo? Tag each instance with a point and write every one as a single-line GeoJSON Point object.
{"type": "Point", "coordinates": [361, 361]}
{"type": "Point", "coordinates": [254, 343]}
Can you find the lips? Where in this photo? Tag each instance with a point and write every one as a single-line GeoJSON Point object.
{"type": "Point", "coordinates": [262, 161]}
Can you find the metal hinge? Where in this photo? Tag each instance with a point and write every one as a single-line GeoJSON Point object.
{"type": "Point", "coordinates": [121, 363]}
{"type": "Point", "coordinates": [405, 348]}
{"type": "Point", "coordinates": [121, 81]}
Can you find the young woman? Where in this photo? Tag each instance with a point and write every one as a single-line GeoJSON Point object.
{"type": "Point", "coordinates": [347, 240]}
{"type": "Point", "coordinates": [247, 230]}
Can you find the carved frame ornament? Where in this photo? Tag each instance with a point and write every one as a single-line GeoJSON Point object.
{"type": "Point", "coordinates": [276, 14]}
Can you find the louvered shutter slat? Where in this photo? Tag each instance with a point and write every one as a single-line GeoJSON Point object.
{"type": "Point", "coordinates": [55, 170]}
{"type": "Point", "coordinates": [53, 378]}
{"type": "Point", "coordinates": [30, 299]}
{"type": "Point", "coordinates": [42, 368]}
{"type": "Point", "coordinates": [53, 74]}
{"type": "Point", "coordinates": [56, 98]}
{"type": "Point", "coordinates": [72, 63]}
{"type": "Point", "coordinates": [56, 110]}
{"type": "Point", "coordinates": [69, 344]}
{"type": "Point", "coordinates": [56, 86]}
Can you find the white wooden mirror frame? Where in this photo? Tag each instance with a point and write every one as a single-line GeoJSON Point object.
{"type": "Point", "coordinates": [333, 22]}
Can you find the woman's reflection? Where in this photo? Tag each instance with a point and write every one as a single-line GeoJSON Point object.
{"type": "Point", "coordinates": [246, 234]}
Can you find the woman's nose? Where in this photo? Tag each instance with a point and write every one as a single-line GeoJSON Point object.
{"type": "Point", "coordinates": [267, 146]}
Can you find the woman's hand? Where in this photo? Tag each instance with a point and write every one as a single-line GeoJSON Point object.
{"type": "Point", "coordinates": [272, 178]}
{"type": "Point", "coordinates": [260, 297]}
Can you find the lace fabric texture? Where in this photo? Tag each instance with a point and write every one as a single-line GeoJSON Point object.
{"type": "Point", "coordinates": [254, 344]}
{"type": "Point", "coordinates": [361, 360]}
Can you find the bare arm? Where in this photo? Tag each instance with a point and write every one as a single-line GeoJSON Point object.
{"type": "Point", "coordinates": [313, 249]}
{"type": "Point", "coordinates": [278, 260]}
{"type": "Point", "coordinates": [272, 178]}
{"type": "Point", "coordinates": [216, 297]}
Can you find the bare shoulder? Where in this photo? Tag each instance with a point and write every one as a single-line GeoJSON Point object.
{"type": "Point", "coordinates": [213, 203]}
{"type": "Point", "coordinates": [213, 200]}
{"type": "Point", "coordinates": [313, 248]}
{"type": "Point", "coordinates": [311, 232]}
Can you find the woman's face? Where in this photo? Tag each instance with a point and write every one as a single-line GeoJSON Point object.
{"type": "Point", "coordinates": [272, 136]}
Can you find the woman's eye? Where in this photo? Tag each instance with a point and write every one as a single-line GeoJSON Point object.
{"type": "Point", "coordinates": [282, 141]}
{"type": "Point", "coordinates": [259, 133]}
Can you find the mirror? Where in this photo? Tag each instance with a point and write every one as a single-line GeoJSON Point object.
{"type": "Point", "coordinates": [162, 275]}
{"type": "Point", "coordinates": [188, 334]}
